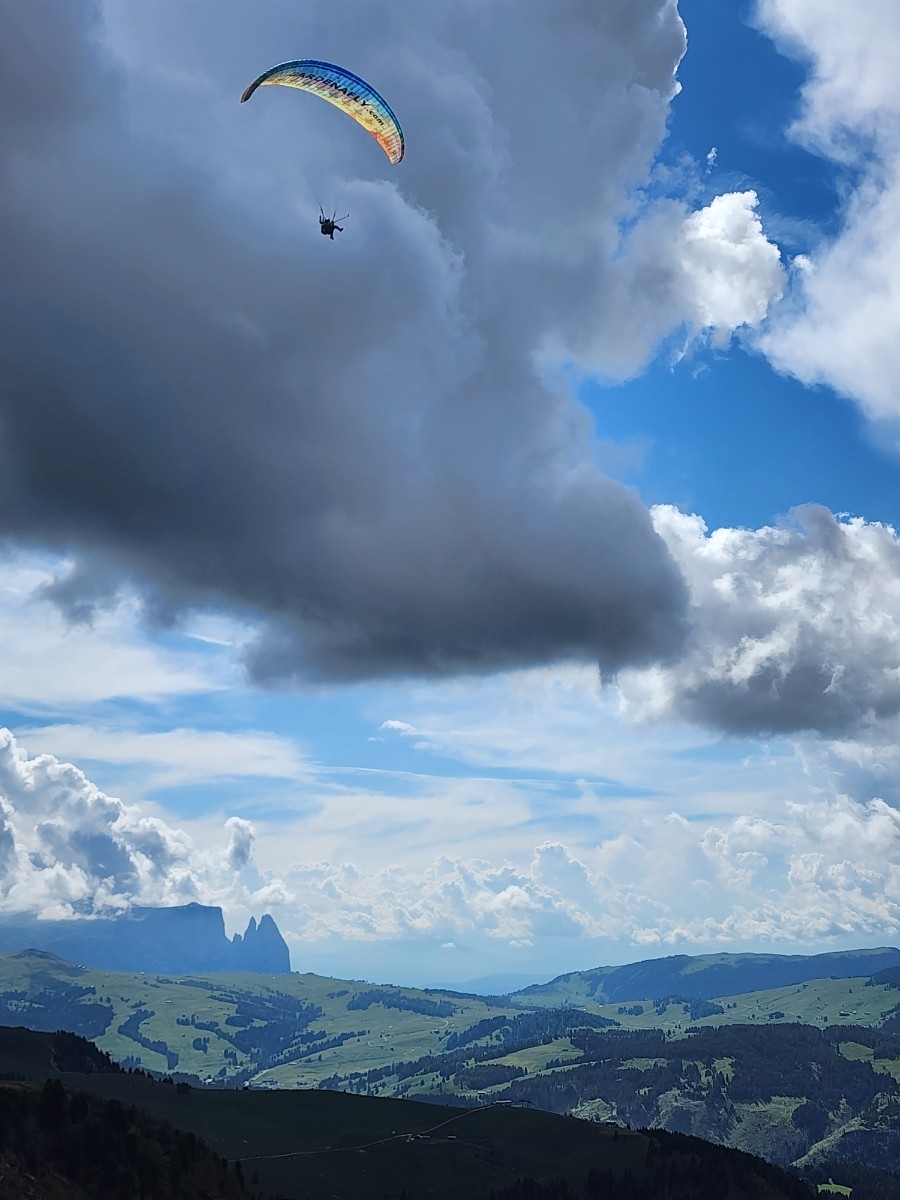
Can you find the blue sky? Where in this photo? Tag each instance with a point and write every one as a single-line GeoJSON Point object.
{"type": "Point", "coordinates": [484, 592]}
{"type": "Point", "coordinates": [723, 434]}
{"type": "Point", "coordinates": [772, 445]}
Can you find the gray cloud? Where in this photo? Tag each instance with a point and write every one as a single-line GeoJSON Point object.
{"type": "Point", "coordinates": [241, 837]}
{"type": "Point", "coordinates": [350, 442]}
{"type": "Point", "coordinates": [50, 74]}
{"type": "Point", "coordinates": [794, 628]}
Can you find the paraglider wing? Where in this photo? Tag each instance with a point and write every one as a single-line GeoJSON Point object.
{"type": "Point", "coordinates": [350, 93]}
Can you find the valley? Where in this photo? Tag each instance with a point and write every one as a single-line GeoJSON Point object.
{"type": "Point", "coordinates": [806, 1073]}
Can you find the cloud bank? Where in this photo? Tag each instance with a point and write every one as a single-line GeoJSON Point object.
{"type": "Point", "coordinates": [361, 447]}
{"type": "Point", "coordinates": [823, 871]}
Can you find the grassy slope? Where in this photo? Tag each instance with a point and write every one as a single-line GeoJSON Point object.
{"type": "Point", "coordinates": [315, 1145]}
{"type": "Point", "coordinates": [392, 1034]}
{"type": "Point", "coordinates": [705, 975]}
{"type": "Point", "coordinates": [817, 1002]}
{"type": "Point", "coordinates": [328, 1136]}
{"type": "Point", "coordinates": [344, 1145]}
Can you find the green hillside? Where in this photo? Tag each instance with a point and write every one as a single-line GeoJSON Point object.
{"type": "Point", "coordinates": [792, 1093]}
{"type": "Point", "coordinates": [314, 1145]}
{"type": "Point", "coordinates": [817, 1002]}
{"type": "Point", "coordinates": [679, 1062]}
{"type": "Point", "coordinates": [234, 1027]}
{"type": "Point", "coordinates": [706, 976]}
{"type": "Point", "coordinates": [298, 1030]}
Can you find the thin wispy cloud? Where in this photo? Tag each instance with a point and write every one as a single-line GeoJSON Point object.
{"type": "Point", "coordinates": [51, 664]}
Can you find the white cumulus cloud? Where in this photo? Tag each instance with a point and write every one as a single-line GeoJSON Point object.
{"type": "Point", "coordinates": [732, 271]}
{"type": "Point", "coordinates": [794, 627]}
{"type": "Point", "coordinates": [841, 326]}
{"type": "Point", "coordinates": [67, 847]}
{"type": "Point", "coordinates": [825, 869]}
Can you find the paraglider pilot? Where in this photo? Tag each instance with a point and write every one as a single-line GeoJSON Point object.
{"type": "Point", "coordinates": [327, 225]}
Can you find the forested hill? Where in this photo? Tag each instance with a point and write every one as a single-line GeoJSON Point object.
{"type": "Point", "coordinates": [812, 1097]}
{"type": "Point", "coordinates": [707, 976]}
{"type": "Point", "coordinates": [803, 1074]}
{"type": "Point", "coordinates": [792, 1093]}
{"type": "Point", "coordinates": [112, 1135]}
{"type": "Point", "coordinates": [305, 1030]}
{"type": "Point", "coordinates": [57, 1144]}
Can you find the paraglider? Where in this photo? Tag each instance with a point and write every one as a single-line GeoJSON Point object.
{"type": "Point", "coordinates": [347, 91]}
{"type": "Point", "coordinates": [327, 225]}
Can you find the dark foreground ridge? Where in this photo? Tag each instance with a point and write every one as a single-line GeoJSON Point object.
{"type": "Point", "coordinates": [73, 1125]}
{"type": "Point", "coordinates": [177, 941]}
{"type": "Point", "coordinates": [57, 1144]}
{"type": "Point", "coordinates": [807, 1077]}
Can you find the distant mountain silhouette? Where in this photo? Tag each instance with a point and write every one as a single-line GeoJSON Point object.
{"type": "Point", "coordinates": [710, 975]}
{"type": "Point", "coordinates": [176, 941]}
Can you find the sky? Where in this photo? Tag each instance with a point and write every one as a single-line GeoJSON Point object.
{"type": "Point", "coordinates": [509, 586]}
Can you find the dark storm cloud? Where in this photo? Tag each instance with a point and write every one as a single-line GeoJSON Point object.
{"type": "Point", "coordinates": [50, 74]}
{"type": "Point", "coordinates": [349, 442]}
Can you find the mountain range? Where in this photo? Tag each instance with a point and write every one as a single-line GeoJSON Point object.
{"type": "Point", "coordinates": [175, 941]}
{"type": "Point", "coordinates": [706, 976]}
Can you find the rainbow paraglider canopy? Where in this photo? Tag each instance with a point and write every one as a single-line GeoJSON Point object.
{"type": "Point", "coordinates": [347, 91]}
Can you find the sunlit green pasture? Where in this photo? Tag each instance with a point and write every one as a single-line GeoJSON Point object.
{"type": "Point", "coordinates": [378, 1036]}
{"type": "Point", "coordinates": [859, 1053]}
